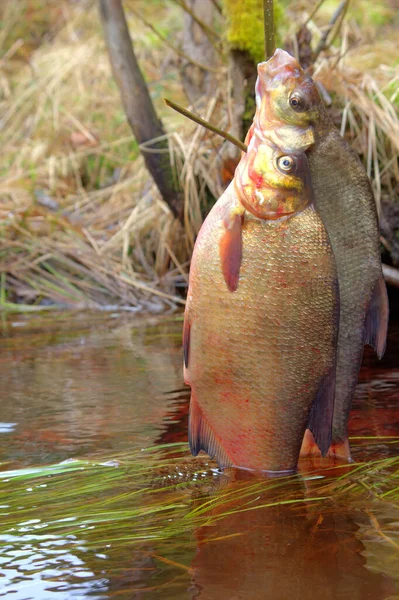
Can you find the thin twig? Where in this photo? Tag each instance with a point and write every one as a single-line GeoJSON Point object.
{"type": "Point", "coordinates": [377, 527]}
{"type": "Point", "coordinates": [168, 561]}
{"type": "Point", "coordinates": [172, 46]}
{"type": "Point", "coordinates": [200, 121]}
{"type": "Point", "coordinates": [209, 32]}
{"type": "Point", "coordinates": [340, 12]}
{"type": "Point", "coordinates": [343, 54]}
{"type": "Point", "coordinates": [268, 16]}
{"type": "Point", "coordinates": [217, 6]}
{"type": "Point", "coordinates": [314, 11]}
{"type": "Point", "coordinates": [339, 24]}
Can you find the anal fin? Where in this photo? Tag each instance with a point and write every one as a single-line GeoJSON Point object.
{"type": "Point", "coordinates": [338, 451]}
{"type": "Point", "coordinates": [230, 250]}
{"type": "Point", "coordinates": [321, 414]}
{"type": "Point", "coordinates": [376, 325]}
{"type": "Point", "coordinates": [201, 436]}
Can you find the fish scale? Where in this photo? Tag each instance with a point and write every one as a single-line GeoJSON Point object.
{"type": "Point", "coordinates": [258, 355]}
{"type": "Point", "coordinates": [356, 248]}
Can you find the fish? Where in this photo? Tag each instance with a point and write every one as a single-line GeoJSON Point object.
{"type": "Point", "coordinates": [291, 113]}
{"type": "Point", "coordinates": [261, 318]}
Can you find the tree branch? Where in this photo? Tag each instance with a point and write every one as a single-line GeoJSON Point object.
{"type": "Point", "coordinates": [268, 16]}
{"type": "Point", "coordinates": [137, 103]}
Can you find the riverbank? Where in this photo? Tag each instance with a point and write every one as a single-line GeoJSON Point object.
{"type": "Point", "coordinates": [81, 222]}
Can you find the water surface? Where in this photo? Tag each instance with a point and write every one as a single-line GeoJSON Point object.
{"type": "Point", "coordinates": [99, 497]}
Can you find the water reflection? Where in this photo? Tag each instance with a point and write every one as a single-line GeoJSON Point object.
{"type": "Point", "coordinates": [45, 567]}
{"type": "Point", "coordinates": [102, 388]}
{"type": "Point", "coordinates": [302, 550]}
{"type": "Point", "coordinates": [97, 391]}
{"type": "Point", "coordinates": [379, 533]}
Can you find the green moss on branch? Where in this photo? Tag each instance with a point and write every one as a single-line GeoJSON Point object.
{"type": "Point", "coordinates": [245, 26]}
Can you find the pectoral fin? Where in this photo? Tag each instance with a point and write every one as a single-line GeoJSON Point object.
{"type": "Point", "coordinates": [201, 436]}
{"type": "Point", "coordinates": [230, 249]}
{"type": "Point", "coordinates": [186, 339]}
{"type": "Point", "coordinates": [321, 414]}
{"type": "Point", "coordinates": [376, 325]}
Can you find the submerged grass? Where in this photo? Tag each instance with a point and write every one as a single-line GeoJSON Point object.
{"type": "Point", "coordinates": [81, 223]}
{"type": "Point", "coordinates": [158, 492]}
{"type": "Point", "coordinates": [148, 513]}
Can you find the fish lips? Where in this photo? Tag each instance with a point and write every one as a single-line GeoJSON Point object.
{"type": "Point", "coordinates": [280, 67]}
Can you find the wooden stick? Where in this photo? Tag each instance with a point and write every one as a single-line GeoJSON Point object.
{"type": "Point", "coordinates": [268, 16]}
{"type": "Point", "coordinates": [213, 128]}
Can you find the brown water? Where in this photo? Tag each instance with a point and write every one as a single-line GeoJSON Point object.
{"type": "Point", "coordinates": [133, 518]}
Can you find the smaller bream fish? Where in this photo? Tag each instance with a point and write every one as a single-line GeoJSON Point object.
{"type": "Point", "coordinates": [291, 114]}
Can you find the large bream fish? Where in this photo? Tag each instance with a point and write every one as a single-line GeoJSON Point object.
{"type": "Point", "coordinates": [261, 319]}
{"type": "Point", "coordinates": [291, 113]}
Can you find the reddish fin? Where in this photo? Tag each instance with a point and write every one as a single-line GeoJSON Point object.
{"type": "Point", "coordinates": [230, 249]}
{"type": "Point", "coordinates": [376, 325]}
{"type": "Point", "coordinates": [309, 446]}
{"type": "Point", "coordinates": [186, 340]}
{"type": "Point", "coordinates": [321, 414]}
{"type": "Point", "coordinates": [201, 436]}
{"type": "Point", "coordinates": [340, 450]}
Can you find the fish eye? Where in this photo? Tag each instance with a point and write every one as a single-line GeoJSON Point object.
{"type": "Point", "coordinates": [286, 164]}
{"type": "Point", "coordinates": [297, 102]}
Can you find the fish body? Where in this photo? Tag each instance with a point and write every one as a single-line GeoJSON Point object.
{"type": "Point", "coordinates": [260, 347]}
{"type": "Point", "coordinates": [290, 111]}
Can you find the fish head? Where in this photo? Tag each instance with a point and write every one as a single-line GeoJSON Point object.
{"type": "Point", "coordinates": [285, 94]}
{"type": "Point", "coordinates": [272, 183]}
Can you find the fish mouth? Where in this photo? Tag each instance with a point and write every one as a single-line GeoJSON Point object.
{"type": "Point", "coordinates": [281, 66]}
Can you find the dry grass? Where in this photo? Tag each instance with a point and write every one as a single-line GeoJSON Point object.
{"type": "Point", "coordinates": [368, 96]}
{"type": "Point", "coordinates": [81, 223]}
